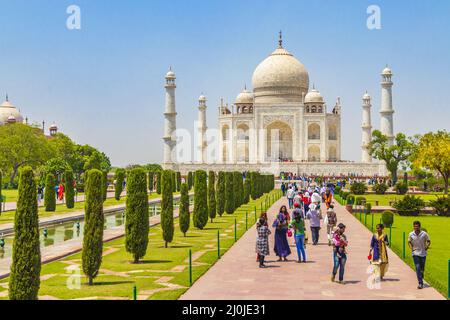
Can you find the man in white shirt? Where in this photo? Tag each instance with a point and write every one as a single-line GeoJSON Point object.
{"type": "Point", "coordinates": [290, 195]}
{"type": "Point", "coordinates": [419, 242]}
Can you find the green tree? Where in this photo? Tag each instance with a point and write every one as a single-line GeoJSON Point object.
{"type": "Point", "coordinates": [247, 190]}
{"type": "Point", "coordinates": [1, 185]}
{"type": "Point", "coordinates": [69, 189]}
{"type": "Point", "coordinates": [151, 180]}
{"type": "Point", "coordinates": [190, 180]}
{"type": "Point", "coordinates": [118, 188]}
{"type": "Point", "coordinates": [104, 184]}
{"type": "Point", "coordinates": [174, 181]}
{"type": "Point", "coordinates": [220, 194]}
{"type": "Point", "coordinates": [229, 198]}
{"type": "Point", "coordinates": [399, 153]}
{"type": "Point", "coordinates": [167, 206]}
{"type": "Point", "coordinates": [93, 228]}
{"type": "Point", "coordinates": [50, 193]}
{"type": "Point", "coordinates": [178, 181]}
{"type": "Point", "coordinates": [137, 217]}
{"type": "Point", "coordinates": [21, 145]}
{"type": "Point", "coordinates": [24, 279]}
{"type": "Point", "coordinates": [158, 182]}
{"type": "Point", "coordinates": [212, 195]}
{"type": "Point", "coordinates": [200, 200]}
{"type": "Point", "coordinates": [237, 177]}
{"type": "Point", "coordinates": [57, 167]}
{"type": "Point", "coordinates": [185, 216]}
{"type": "Point", "coordinates": [433, 153]}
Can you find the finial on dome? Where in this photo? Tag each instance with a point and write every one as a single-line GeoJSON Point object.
{"type": "Point", "coordinates": [280, 40]}
{"type": "Point", "coordinates": [245, 86]}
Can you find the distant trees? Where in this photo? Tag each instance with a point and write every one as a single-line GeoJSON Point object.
{"type": "Point", "coordinates": [158, 182]}
{"type": "Point", "coordinates": [167, 206]}
{"type": "Point", "coordinates": [50, 193]}
{"type": "Point", "coordinates": [118, 188]}
{"type": "Point", "coordinates": [212, 195]}
{"type": "Point", "coordinates": [220, 193]}
{"type": "Point", "coordinates": [93, 227]}
{"type": "Point", "coordinates": [137, 216]}
{"type": "Point", "coordinates": [24, 278]}
{"type": "Point", "coordinates": [200, 200]}
{"type": "Point", "coordinates": [184, 215]}
{"type": "Point", "coordinates": [69, 189]}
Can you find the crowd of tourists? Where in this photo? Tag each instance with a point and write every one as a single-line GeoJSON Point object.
{"type": "Point", "coordinates": [313, 204]}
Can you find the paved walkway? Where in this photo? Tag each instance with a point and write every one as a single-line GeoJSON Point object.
{"type": "Point", "coordinates": [237, 276]}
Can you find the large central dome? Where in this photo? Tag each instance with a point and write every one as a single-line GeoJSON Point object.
{"type": "Point", "coordinates": [280, 78]}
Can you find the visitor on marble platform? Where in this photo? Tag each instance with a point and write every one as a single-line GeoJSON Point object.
{"type": "Point", "coordinates": [419, 242]}
{"type": "Point", "coordinates": [281, 223]}
{"type": "Point", "coordinates": [378, 252]}
{"type": "Point", "coordinates": [339, 253]}
{"type": "Point", "coordinates": [262, 241]}
{"type": "Point", "coordinates": [330, 222]}
{"type": "Point", "coordinates": [314, 215]}
{"type": "Point", "coordinates": [298, 224]}
{"type": "Point", "coordinates": [290, 196]}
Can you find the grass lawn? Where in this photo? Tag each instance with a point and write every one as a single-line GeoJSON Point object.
{"type": "Point", "coordinates": [11, 195]}
{"type": "Point", "coordinates": [8, 216]}
{"type": "Point", "coordinates": [162, 274]}
{"type": "Point", "coordinates": [383, 199]}
{"type": "Point", "coordinates": [436, 269]}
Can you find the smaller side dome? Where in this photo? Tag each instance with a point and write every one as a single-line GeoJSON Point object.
{"type": "Point", "coordinates": [366, 96]}
{"type": "Point", "coordinates": [313, 96]}
{"type": "Point", "coordinates": [245, 97]}
{"type": "Point", "coordinates": [170, 74]}
{"type": "Point", "coordinates": [386, 71]}
{"type": "Point", "coordinates": [202, 98]}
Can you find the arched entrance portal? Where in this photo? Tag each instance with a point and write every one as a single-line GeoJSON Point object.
{"type": "Point", "coordinates": [279, 142]}
{"type": "Point", "coordinates": [313, 154]}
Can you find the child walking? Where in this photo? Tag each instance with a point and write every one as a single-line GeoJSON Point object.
{"type": "Point", "coordinates": [262, 241]}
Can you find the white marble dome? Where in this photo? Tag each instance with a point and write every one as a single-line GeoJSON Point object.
{"type": "Point", "coordinates": [280, 74]}
{"type": "Point", "coordinates": [313, 96]}
{"type": "Point", "coordinates": [245, 97]}
{"type": "Point", "coordinates": [387, 71]}
{"type": "Point", "coordinates": [9, 111]}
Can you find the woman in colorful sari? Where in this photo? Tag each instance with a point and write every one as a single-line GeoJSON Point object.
{"type": "Point", "coordinates": [378, 252]}
{"type": "Point", "coordinates": [282, 249]}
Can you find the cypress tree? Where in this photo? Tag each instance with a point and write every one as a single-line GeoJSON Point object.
{"type": "Point", "coordinates": [137, 221]}
{"type": "Point", "coordinates": [70, 192]}
{"type": "Point", "coordinates": [174, 181]}
{"type": "Point", "coordinates": [50, 194]}
{"type": "Point", "coordinates": [0, 191]}
{"type": "Point", "coordinates": [220, 194]}
{"type": "Point", "coordinates": [200, 200]}
{"type": "Point", "coordinates": [167, 206]}
{"type": "Point", "coordinates": [212, 195]}
{"type": "Point", "coordinates": [190, 180]}
{"type": "Point", "coordinates": [237, 178]}
{"type": "Point", "coordinates": [118, 188]}
{"type": "Point", "coordinates": [93, 228]}
{"type": "Point", "coordinates": [151, 181]}
{"type": "Point", "coordinates": [247, 190]}
{"type": "Point", "coordinates": [158, 182]}
{"type": "Point", "coordinates": [24, 279]}
{"type": "Point", "coordinates": [229, 199]}
{"type": "Point", "coordinates": [185, 217]}
{"type": "Point", "coordinates": [104, 184]}
{"type": "Point", "coordinates": [178, 181]}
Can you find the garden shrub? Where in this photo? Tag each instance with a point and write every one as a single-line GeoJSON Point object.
{"type": "Point", "coordinates": [212, 195]}
{"type": "Point", "coordinates": [401, 187]}
{"type": "Point", "coordinates": [380, 188]}
{"type": "Point", "coordinates": [185, 217]}
{"type": "Point", "coordinates": [70, 192]}
{"type": "Point", "coordinates": [50, 193]}
{"type": "Point", "coordinates": [167, 206]}
{"type": "Point", "coordinates": [120, 177]}
{"type": "Point", "coordinates": [358, 188]}
{"type": "Point", "coordinates": [229, 199]}
{"type": "Point", "coordinates": [350, 199]}
{"type": "Point", "coordinates": [200, 215]}
{"type": "Point", "coordinates": [387, 218]}
{"type": "Point", "coordinates": [360, 200]}
{"type": "Point", "coordinates": [337, 190]}
{"type": "Point", "coordinates": [409, 205]}
{"type": "Point", "coordinates": [368, 207]}
{"type": "Point", "coordinates": [220, 193]}
{"type": "Point", "coordinates": [441, 205]}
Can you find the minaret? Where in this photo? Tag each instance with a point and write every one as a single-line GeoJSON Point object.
{"type": "Point", "coordinates": [387, 110]}
{"type": "Point", "coordinates": [366, 129]}
{"type": "Point", "coordinates": [170, 115]}
{"type": "Point", "coordinates": [202, 129]}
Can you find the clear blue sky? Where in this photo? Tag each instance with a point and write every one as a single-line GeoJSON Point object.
{"type": "Point", "coordinates": [103, 84]}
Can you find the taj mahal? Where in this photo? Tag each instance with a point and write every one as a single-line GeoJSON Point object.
{"type": "Point", "coordinates": [282, 124]}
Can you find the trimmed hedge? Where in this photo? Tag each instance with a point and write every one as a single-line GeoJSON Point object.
{"type": "Point", "coordinates": [185, 216]}
{"type": "Point", "coordinates": [200, 215]}
{"type": "Point", "coordinates": [229, 189]}
{"type": "Point", "coordinates": [247, 190]}
{"type": "Point", "coordinates": [167, 206]}
{"type": "Point", "coordinates": [387, 218]}
{"type": "Point", "coordinates": [401, 188]}
{"type": "Point", "coordinates": [70, 191]}
{"type": "Point", "coordinates": [212, 195]}
{"type": "Point", "coordinates": [178, 181]}
{"type": "Point", "coordinates": [358, 188]}
{"type": "Point", "coordinates": [220, 194]}
{"type": "Point", "coordinates": [158, 182]}
{"type": "Point", "coordinates": [151, 181]}
{"type": "Point", "coordinates": [50, 193]}
{"type": "Point", "coordinates": [104, 184]}
{"type": "Point", "coordinates": [380, 188]}
{"type": "Point", "coordinates": [137, 216]}
{"type": "Point", "coordinates": [93, 228]}
{"type": "Point", "coordinates": [237, 179]}
{"type": "Point", "coordinates": [24, 280]}
{"type": "Point", "coordinates": [118, 188]}
{"type": "Point", "coordinates": [190, 180]}
{"type": "Point", "coordinates": [350, 198]}
{"type": "Point", "coordinates": [359, 200]}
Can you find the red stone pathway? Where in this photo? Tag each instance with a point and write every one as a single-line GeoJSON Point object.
{"type": "Point", "coordinates": [237, 276]}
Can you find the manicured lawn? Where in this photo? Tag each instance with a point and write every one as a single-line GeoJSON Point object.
{"type": "Point", "coordinates": [8, 216]}
{"type": "Point", "coordinates": [11, 195]}
{"type": "Point", "coordinates": [163, 272]}
{"type": "Point", "coordinates": [436, 270]}
{"type": "Point", "coordinates": [384, 199]}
